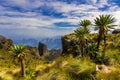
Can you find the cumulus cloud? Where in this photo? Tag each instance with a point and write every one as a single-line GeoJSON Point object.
{"type": "Point", "coordinates": [35, 24]}
{"type": "Point", "coordinates": [24, 4]}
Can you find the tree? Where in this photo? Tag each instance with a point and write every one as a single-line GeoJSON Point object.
{"type": "Point", "coordinates": [85, 23]}
{"type": "Point", "coordinates": [103, 24]}
{"type": "Point", "coordinates": [81, 37]}
{"type": "Point", "coordinates": [19, 51]}
{"type": "Point", "coordinates": [81, 34]}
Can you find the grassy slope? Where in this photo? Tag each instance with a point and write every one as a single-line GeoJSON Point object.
{"type": "Point", "coordinates": [64, 67]}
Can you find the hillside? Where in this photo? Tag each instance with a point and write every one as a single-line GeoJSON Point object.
{"type": "Point", "coordinates": [69, 42]}
{"type": "Point", "coordinates": [67, 66]}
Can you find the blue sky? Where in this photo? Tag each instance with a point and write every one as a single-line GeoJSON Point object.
{"type": "Point", "coordinates": [48, 18]}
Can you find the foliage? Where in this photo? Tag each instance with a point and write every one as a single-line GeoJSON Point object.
{"type": "Point", "coordinates": [91, 50]}
{"type": "Point", "coordinates": [85, 24]}
{"type": "Point", "coordinates": [30, 73]}
{"type": "Point", "coordinates": [19, 50]}
{"type": "Point", "coordinates": [81, 38]}
{"type": "Point", "coordinates": [81, 33]}
{"type": "Point", "coordinates": [103, 23]}
{"type": "Point", "coordinates": [102, 59]}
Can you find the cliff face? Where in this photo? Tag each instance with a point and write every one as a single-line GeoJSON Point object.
{"type": "Point", "coordinates": [42, 48]}
{"type": "Point", "coordinates": [48, 54]}
{"type": "Point", "coordinates": [5, 43]}
{"type": "Point", "coordinates": [69, 44]}
{"type": "Point", "coordinates": [66, 44]}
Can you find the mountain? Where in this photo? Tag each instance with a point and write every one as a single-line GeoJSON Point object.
{"type": "Point", "coordinates": [52, 43]}
{"type": "Point", "coordinates": [30, 42]}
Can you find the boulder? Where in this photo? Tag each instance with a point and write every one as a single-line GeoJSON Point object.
{"type": "Point", "coordinates": [65, 44]}
{"type": "Point", "coordinates": [69, 46]}
{"type": "Point", "coordinates": [42, 48]}
{"type": "Point", "coordinates": [116, 31]}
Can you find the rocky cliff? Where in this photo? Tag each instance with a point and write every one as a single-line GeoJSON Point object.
{"type": "Point", "coordinates": [69, 44]}
{"type": "Point", "coordinates": [42, 48]}
{"type": "Point", "coordinates": [48, 54]}
{"type": "Point", "coordinates": [5, 43]}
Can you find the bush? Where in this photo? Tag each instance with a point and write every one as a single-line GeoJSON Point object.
{"type": "Point", "coordinates": [30, 73]}
{"type": "Point", "coordinates": [101, 58]}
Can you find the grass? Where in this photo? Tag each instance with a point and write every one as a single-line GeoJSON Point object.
{"type": "Point", "coordinates": [113, 75]}
{"type": "Point", "coordinates": [62, 68]}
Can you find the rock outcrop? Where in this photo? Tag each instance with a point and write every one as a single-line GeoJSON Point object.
{"type": "Point", "coordinates": [42, 48]}
{"type": "Point", "coordinates": [66, 44]}
{"type": "Point", "coordinates": [69, 45]}
{"type": "Point", "coordinates": [53, 54]}
{"type": "Point", "coordinates": [5, 43]}
{"type": "Point", "coordinates": [116, 31]}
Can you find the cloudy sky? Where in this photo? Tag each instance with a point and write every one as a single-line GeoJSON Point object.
{"type": "Point", "coordinates": [49, 18]}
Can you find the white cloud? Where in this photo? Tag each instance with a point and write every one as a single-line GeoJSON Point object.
{"type": "Point", "coordinates": [91, 1]}
{"type": "Point", "coordinates": [66, 8]}
{"type": "Point", "coordinates": [102, 3]}
{"type": "Point", "coordinates": [115, 8]}
{"type": "Point", "coordinates": [25, 4]}
{"type": "Point", "coordinates": [33, 24]}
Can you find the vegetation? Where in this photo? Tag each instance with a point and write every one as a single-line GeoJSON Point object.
{"type": "Point", "coordinates": [82, 35]}
{"type": "Point", "coordinates": [19, 51]}
{"type": "Point", "coordinates": [103, 23]}
{"type": "Point", "coordinates": [81, 38]}
{"type": "Point", "coordinates": [85, 24]}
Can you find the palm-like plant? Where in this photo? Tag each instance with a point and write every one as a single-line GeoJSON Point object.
{"type": "Point", "coordinates": [103, 23]}
{"type": "Point", "coordinates": [81, 37]}
{"type": "Point", "coordinates": [19, 51]}
{"type": "Point", "coordinates": [85, 24]}
{"type": "Point", "coordinates": [82, 33]}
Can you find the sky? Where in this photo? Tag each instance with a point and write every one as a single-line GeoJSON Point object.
{"type": "Point", "coordinates": [49, 18]}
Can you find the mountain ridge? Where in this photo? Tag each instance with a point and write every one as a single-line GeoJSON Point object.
{"type": "Point", "coordinates": [52, 43]}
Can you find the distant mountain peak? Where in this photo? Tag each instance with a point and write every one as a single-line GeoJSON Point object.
{"type": "Point", "coordinates": [52, 43]}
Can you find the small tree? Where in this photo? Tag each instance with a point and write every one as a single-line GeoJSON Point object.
{"type": "Point", "coordinates": [85, 24]}
{"type": "Point", "coordinates": [103, 23]}
{"type": "Point", "coordinates": [19, 51]}
{"type": "Point", "coordinates": [82, 35]}
{"type": "Point", "coordinates": [81, 38]}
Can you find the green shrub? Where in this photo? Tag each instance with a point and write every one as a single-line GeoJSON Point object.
{"type": "Point", "coordinates": [30, 73]}
{"type": "Point", "coordinates": [101, 58]}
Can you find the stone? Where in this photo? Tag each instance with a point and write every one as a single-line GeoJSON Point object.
{"type": "Point", "coordinates": [42, 48]}
{"type": "Point", "coordinates": [69, 46]}
{"type": "Point", "coordinates": [116, 31]}
{"type": "Point", "coordinates": [5, 43]}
